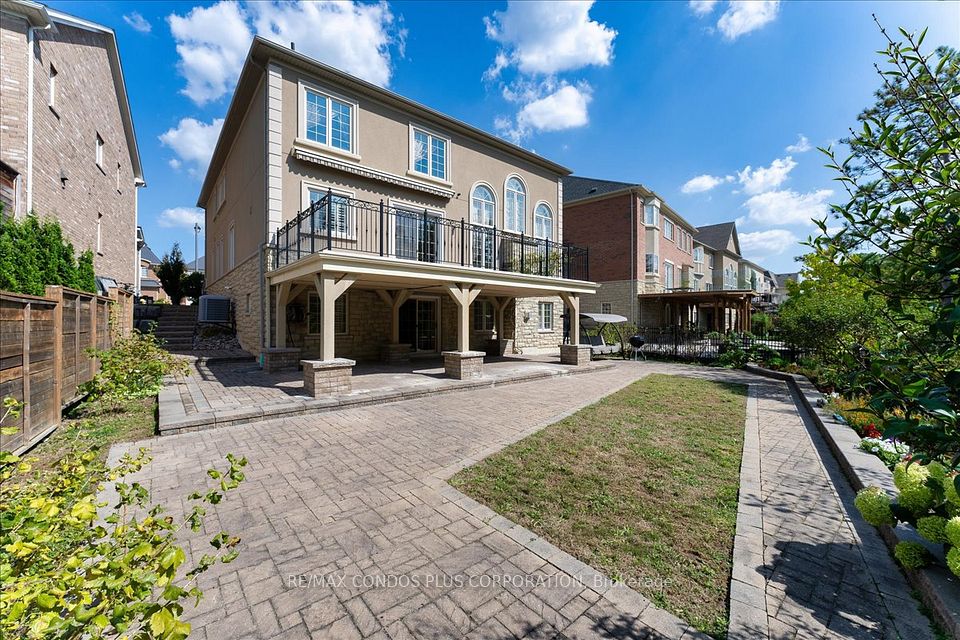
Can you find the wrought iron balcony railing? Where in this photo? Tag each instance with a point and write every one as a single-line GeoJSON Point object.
{"type": "Point", "coordinates": [347, 225]}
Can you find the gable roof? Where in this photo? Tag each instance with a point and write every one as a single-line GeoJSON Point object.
{"type": "Point", "coordinates": [42, 17]}
{"type": "Point", "coordinates": [717, 236]}
{"type": "Point", "coordinates": [578, 188]}
{"type": "Point", "coordinates": [263, 51]}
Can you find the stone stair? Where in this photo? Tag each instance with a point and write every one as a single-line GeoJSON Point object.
{"type": "Point", "coordinates": [176, 326]}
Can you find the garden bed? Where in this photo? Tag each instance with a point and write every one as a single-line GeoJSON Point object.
{"type": "Point", "coordinates": [642, 485]}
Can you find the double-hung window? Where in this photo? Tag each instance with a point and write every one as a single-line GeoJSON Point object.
{"type": "Point", "coordinates": [546, 316]}
{"type": "Point", "coordinates": [652, 263]}
{"type": "Point", "coordinates": [543, 221]}
{"type": "Point", "coordinates": [314, 317]}
{"type": "Point", "coordinates": [429, 154]}
{"type": "Point", "coordinates": [668, 282]}
{"type": "Point", "coordinates": [650, 215]}
{"type": "Point", "coordinates": [698, 255]}
{"type": "Point", "coordinates": [667, 229]}
{"type": "Point", "coordinates": [328, 120]}
{"type": "Point", "coordinates": [341, 223]}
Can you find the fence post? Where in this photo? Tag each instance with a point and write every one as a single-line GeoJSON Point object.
{"type": "Point", "coordinates": [329, 219]}
{"type": "Point", "coordinates": [25, 373]}
{"type": "Point", "coordinates": [382, 229]}
{"type": "Point", "coordinates": [463, 242]}
{"type": "Point", "coordinates": [94, 312]}
{"type": "Point", "coordinates": [56, 293]}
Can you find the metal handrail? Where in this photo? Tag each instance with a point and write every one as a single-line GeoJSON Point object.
{"type": "Point", "coordinates": [336, 222]}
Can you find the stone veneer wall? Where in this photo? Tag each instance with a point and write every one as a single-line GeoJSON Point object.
{"type": "Point", "coordinates": [620, 294]}
{"type": "Point", "coordinates": [527, 334]}
{"type": "Point", "coordinates": [240, 283]}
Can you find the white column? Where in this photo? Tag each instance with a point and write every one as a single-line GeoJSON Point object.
{"type": "Point", "coordinates": [329, 288]}
{"type": "Point", "coordinates": [283, 295]}
{"type": "Point", "coordinates": [463, 296]}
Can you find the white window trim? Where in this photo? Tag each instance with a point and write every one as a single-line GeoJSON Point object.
{"type": "Point", "coordinates": [496, 204]}
{"type": "Point", "coordinates": [412, 207]}
{"type": "Point", "coordinates": [346, 312]}
{"type": "Point", "coordinates": [306, 187]}
{"type": "Point", "coordinates": [220, 193]}
{"type": "Point", "coordinates": [656, 215]}
{"type": "Point", "coordinates": [526, 197]}
{"type": "Point", "coordinates": [493, 317]}
{"type": "Point", "coordinates": [303, 141]}
{"type": "Point", "coordinates": [52, 74]}
{"type": "Point", "coordinates": [673, 273]}
{"type": "Point", "coordinates": [446, 180]}
{"type": "Point", "coordinates": [231, 246]}
{"type": "Point", "coordinates": [540, 317]}
{"type": "Point", "coordinates": [553, 220]}
{"type": "Point", "coordinates": [673, 229]}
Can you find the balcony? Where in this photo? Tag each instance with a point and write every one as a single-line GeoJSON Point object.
{"type": "Point", "coordinates": [339, 224]}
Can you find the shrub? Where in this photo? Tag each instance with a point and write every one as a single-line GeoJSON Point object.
{"type": "Point", "coordinates": [171, 272]}
{"type": "Point", "coordinates": [193, 286]}
{"type": "Point", "coordinates": [874, 505]}
{"type": "Point", "coordinates": [912, 555]}
{"type": "Point", "coordinates": [66, 574]}
{"type": "Point", "coordinates": [133, 367]}
{"type": "Point", "coordinates": [932, 528]}
{"type": "Point", "coordinates": [890, 452]}
{"type": "Point", "coordinates": [34, 254]}
{"type": "Point", "coordinates": [761, 323]}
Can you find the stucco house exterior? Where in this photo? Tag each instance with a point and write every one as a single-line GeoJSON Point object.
{"type": "Point", "coordinates": [348, 222]}
{"type": "Point", "coordinates": [653, 266]}
{"type": "Point", "coordinates": [68, 149]}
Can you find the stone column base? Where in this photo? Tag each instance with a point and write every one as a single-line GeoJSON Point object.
{"type": "Point", "coordinates": [395, 353]}
{"type": "Point", "coordinates": [279, 359]}
{"type": "Point", "coordinates": [463, 364]}
{"type": "Point", "coordinates": [327, 377]}
{"type": "Point", "coordinates": [575, 354]}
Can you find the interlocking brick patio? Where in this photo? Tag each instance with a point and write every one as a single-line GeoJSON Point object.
{"type": "Point", "coordinates": [360, 493]}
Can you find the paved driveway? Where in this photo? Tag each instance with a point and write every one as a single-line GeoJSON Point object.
{"type": "Point", "coordinates": [349, 531]}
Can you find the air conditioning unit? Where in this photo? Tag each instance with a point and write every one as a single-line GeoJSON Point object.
{"type": "Point", "coordinates": [214, 309]}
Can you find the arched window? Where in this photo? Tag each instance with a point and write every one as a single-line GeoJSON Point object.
{"type": "Point", "coordinates": [543, 221]}
{"type": "Point", "coordinates": [482, 206]}
{"type": "Point", "coordinates": [515, 206]}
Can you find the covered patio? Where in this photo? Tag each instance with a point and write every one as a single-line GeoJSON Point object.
{"type": "Point", "coordinates": [722, 311]}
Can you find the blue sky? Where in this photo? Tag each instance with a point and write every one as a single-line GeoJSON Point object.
{"type": "Point", "coordinates": [717, 106]}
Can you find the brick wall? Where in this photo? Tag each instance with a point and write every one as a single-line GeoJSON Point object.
{"type": "Point", "coordinates": [604, 227]}
{"type": "Point", "coordinates": [13, 97]}
{"type": "Point", "coordinates": [65, 142]}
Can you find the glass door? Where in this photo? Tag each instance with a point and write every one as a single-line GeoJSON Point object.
{"type": "Point", "coordinates": [417, 236]}
{"type": "Point", "coordinates": [419, 325]}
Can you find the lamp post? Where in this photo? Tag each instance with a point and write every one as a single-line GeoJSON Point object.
{"type": "Point", "coordinates": [196, 246]}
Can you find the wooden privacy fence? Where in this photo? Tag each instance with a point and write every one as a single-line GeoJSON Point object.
{"type": "Point", "coordinates": [43, 352]}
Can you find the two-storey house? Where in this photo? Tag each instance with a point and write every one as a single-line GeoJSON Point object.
{"type": "Point", "coordinates": [67, 144]}
{"type": "Point", "coordinates": [347, 221]}
{"type": "Point", "coordinates": [652, 266]}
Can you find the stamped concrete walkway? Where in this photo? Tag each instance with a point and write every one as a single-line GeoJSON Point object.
{"type": "Point", "coordinates": [349, 530]}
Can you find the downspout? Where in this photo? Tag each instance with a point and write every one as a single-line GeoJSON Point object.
{"type": "Point", "coordinates": [30, 91]}
{"type": "Point", "coordinates": [633, 259]}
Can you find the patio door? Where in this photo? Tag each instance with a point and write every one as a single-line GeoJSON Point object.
{"type": "Point", "coordinates": [419, 324]}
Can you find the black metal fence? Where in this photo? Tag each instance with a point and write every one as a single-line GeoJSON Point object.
{"type": "Point", "coordinates": [686, 344]}
{"type": "Point", "coordinates": [338, 223]}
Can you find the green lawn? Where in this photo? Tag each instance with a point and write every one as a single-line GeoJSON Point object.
{"type": "Point", "coordinates": [94, 424]}
{"type": "Point", "coordinates": [641, 485]}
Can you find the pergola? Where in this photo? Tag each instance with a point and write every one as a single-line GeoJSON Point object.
{"type": "Point", "coordinates": [682, 302]}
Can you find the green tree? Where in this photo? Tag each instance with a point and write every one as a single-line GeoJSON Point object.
{"type": "Point", "coordinates": [86, 280]}
{"type": "Point", "coordinates": [902, 180]}
{"type": "Point", "coordinates": [193, 285]}
{"type": "Point", "coordinates": [170, 271]}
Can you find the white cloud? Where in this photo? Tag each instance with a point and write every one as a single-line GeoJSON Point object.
{"type": "Point", "coordinates": [180, 217]}
{"type": "Point", "coordinates": [354, 37]}
{"type": "Point", "coordinates": [772, 242]}
{"type": "Point", "coordinates": [564, 109]}
{"type": "Point", "coordinates": [704, 182]}
{"type": "Point", "coordinates": [549, 37]}
{"type": "Point", "coordinates": [762, 179]}
{"type": "Point", "coordinates": [800, 146]}
{"type": "Point", "coordinates": [138, 22]}
{"type": "Point", "coordinates": [744, 16]}
{"type": "Point", "coordinates": [193, 142]}
{"type": "Point", "coordinates": [701, 8]}
{"type": "Point", "coordinates": [788, 207]}
{"type": "Point", "coordinates": [212, 43]}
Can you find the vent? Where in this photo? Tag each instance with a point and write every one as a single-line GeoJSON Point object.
{"type": "Point", "coordinates": [214, 309]}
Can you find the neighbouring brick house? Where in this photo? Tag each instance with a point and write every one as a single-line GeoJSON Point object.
{"type": "Point", "coordinates": [653, 267]}
{"type": "Point", "coordinates": [346, 221]}
{"type": "Point", "coordinates": [150, 286]}
{"type": "Point", "coordinates": [67, 143]}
